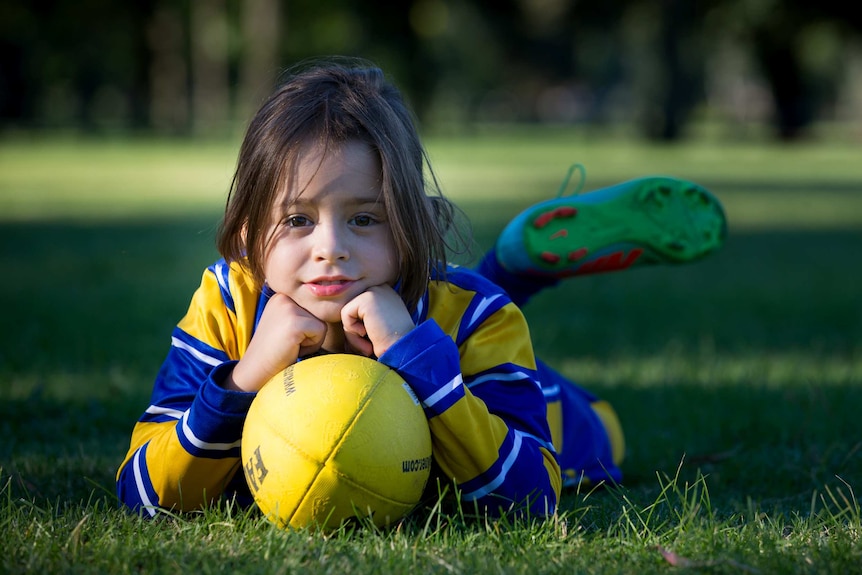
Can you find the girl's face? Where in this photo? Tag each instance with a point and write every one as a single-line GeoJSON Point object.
{"type": "Point", "coordinates": [333, 241]}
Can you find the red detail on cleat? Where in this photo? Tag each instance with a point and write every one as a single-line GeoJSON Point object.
{"type": "Point", "coordinates": [550, 258]}
{"type": "Point", "coordinates": [543, 220]}
{"type": "Point", "coordinates": [610, 263]}
{"type": "Point", "coordinates": [577, 254]}
{"type": "Point", "coordinates": [546, 218]}
{"type": "Point", "coordinates": [559, 234]}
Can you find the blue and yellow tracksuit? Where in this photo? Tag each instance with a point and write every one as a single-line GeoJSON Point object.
{"type": "Point", "coordinates": [494, 415]}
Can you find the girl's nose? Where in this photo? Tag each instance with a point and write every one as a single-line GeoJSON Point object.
{"type": "Point", "coordinates": [330, 243]}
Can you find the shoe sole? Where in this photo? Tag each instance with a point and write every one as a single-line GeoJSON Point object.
{"type": "Point", "coordinates": [645, 221]}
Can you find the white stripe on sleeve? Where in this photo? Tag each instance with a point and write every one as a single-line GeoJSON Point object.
{"type": "Point", "coordinates": [199, 355]}
{"type": "Point", "coordinates": [200, 444]}
{"type": "Point", "coordinates": [499, 377]}
{"type": "Point", "coordinates": [444, 391]}
{"type": "Point", "coordinates": [501, 477]}
{"type": "Point", "coordinates": [156, 410]}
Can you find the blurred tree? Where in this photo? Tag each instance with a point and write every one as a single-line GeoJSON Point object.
{"type": "Point", "coordinates": [778, 32]}
{"type": "Point", "coordinates": [679, 86]}
{"type": "Point", "coordinates": [776, 47]}
{"type": "Point", "coordinates": [195, 66]}
{"type": "Point", "coordinates": [80, 63]}
{"type": "Point", "coordinates": [139, 87]}
{"type": "Point", "coordinates": [169, 85]}
{"type": "Point", "coordinates": [209, 66]}
{"type": "Point", "coordinates": [18, 86]}
{"type": "Point", "coordinates": [261, 24]}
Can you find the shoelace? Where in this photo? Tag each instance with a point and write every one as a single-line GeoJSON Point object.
{"type": "Point", "coordinates": [567, 179]}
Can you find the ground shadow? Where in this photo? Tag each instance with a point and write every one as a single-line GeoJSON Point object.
{"type": "Point", "coordinates": [90, 308]}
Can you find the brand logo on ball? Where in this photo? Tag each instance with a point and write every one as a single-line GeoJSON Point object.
{"type": "Point", "coordinates": [255, 470]}
{"type": "Point", "coordinates": [289, 386]}
{"type": "Point", "coordinates": [410, 465]}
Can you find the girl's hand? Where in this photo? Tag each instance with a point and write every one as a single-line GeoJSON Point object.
{"type": "Point", "coordinates": [285, 332]}
{"type": "Point", "coordinates": [374, 320]}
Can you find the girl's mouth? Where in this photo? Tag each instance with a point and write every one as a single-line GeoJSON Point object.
{"type": "Point", "coordinates": [329, 288]}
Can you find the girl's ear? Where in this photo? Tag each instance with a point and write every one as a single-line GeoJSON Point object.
{"type": "Point", "coordinates": [243, 234]}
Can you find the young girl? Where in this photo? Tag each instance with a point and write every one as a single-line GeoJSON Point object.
{"type": "Point", "coordinates": [333, 241]}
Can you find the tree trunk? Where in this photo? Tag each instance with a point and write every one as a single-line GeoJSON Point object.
{"type": "Point", "coordinates": [169, 96]}
{"type": "Point", "coordinates": [779, 59]}
{"type": "Point", "coordinates": [209, 59]}
{"type": "Point", "coordinates": [261, 28]}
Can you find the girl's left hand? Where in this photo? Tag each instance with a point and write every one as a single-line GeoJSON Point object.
{"type": "Point", "coordinates": [374, 320]}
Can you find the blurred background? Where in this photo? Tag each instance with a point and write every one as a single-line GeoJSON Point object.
{"type": "Point", "coordinates": [664, 69]}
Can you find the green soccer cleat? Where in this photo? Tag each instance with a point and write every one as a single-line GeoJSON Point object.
{"type": "Point", "coordinates": [644, 221]}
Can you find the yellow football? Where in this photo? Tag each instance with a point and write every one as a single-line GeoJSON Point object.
{"type": "Point", "coordinates": [336, 437]}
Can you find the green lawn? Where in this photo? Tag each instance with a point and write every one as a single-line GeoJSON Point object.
{"type": "Point", "coordinates": [738, 379]}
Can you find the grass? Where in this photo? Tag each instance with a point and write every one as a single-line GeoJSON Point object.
{"type": "Point", "coordinates": [738, 379]}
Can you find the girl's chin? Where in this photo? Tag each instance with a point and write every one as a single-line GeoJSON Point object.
{"type": "Point", "coordinates": [326, 314]}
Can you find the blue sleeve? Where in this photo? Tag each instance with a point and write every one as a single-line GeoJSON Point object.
{"type": "Point", "coordinates": [494, 442]}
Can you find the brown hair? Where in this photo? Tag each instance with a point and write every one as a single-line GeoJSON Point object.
{"type": "Point", "coordinates": [331, 102]}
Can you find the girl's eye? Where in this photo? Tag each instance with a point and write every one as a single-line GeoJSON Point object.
{"type": "Point", "coordinates": [363, 220]}
{"type": "Point", "coordinates": [297, 221]}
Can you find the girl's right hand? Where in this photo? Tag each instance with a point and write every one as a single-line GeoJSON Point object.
{"type": "Point", "coordinates": [285, 332]}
